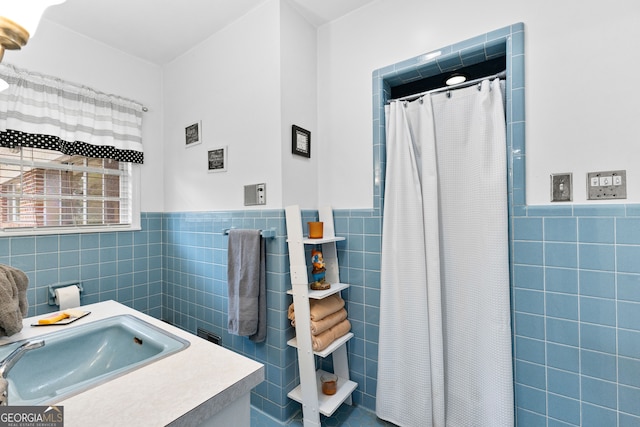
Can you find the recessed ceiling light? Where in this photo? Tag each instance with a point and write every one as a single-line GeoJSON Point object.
{"type": "Point", "coordinates": [455, 79]}
{"type": "Point", "coordinates": [432, 55]}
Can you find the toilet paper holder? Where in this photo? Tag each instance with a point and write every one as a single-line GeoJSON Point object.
{"type": "Point", "coordinates": [52, 290]}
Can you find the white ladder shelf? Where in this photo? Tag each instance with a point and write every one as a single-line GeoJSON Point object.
{"type": "Point", "coordinates": [309, 392]}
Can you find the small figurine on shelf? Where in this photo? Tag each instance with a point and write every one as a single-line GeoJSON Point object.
{"type": "Point", "coordinates": [319, 283]}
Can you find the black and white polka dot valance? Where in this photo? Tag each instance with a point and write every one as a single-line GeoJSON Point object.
{"type": "Point", "coordinates": [45, 112]}
{"type": "Point", "coordinates": [12, 138]}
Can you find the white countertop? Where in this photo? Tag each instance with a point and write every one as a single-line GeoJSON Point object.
{"type": "Point", "coordinates": [179, 390]}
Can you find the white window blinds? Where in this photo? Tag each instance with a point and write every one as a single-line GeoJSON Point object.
{"type": "Point", "coordinates": [43, 188]}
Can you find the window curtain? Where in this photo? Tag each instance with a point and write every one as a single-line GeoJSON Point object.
{"type": "Point", "coordinates": [45, 112]}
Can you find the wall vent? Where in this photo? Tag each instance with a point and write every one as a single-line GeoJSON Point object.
{"type": "Point", "coordinates": [209, 336]}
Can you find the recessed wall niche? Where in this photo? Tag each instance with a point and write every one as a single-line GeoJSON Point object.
{"type": "Point", "coordinates": [500, 48]}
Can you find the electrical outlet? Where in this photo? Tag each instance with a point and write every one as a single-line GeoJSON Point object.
{"type": "Point", "coordinates": [607, 185]}
{"type": "Point", "coordinates": [561, 187]}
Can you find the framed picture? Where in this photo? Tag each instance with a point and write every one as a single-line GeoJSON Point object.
{"type": "Point", "coordinates": [193, 134]}
{"type": "Point", "coordinates": [217, 159]}
{"type": "Point", "coordinates": [300, 141]}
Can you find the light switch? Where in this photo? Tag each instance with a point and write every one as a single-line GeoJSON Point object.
{"type": "Point", "coordinates": [561, 187]}
{"type": "Point", "coordinates": [255, 194]}
{"type": "Point", "coordinates": [607, 185]}
{"type": "Point", "coordinates": [605, 180]}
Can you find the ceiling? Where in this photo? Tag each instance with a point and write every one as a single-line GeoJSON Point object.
{"type": "Point", "coordinates": [161, 30]}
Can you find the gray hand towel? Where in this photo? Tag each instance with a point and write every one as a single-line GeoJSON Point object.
{"type": "Point", "coordinates": [247, 285]}
{"type": "Point", "coordinates": [13, 299]}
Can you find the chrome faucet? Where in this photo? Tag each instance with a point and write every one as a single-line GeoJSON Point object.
{"type": "Point", "coordinates": [8, 362]}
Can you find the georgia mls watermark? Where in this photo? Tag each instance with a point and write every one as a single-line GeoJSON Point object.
{"type": "Point", "coordinates": [31, 416]}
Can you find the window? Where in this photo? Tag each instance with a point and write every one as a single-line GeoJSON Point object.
{"type": "Point", "coordinates": [49, 191]}
{"type": "Point", "coordinates": [69, 157]}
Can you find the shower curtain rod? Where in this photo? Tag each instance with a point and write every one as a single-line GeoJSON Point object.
{"type": "Point", "coordinates": [501, 75]}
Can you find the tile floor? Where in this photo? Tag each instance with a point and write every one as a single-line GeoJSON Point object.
{"type": "Point", "coordinates": [345, 416]}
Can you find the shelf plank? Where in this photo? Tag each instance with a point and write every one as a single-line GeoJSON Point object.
{"type": "Point", "coordinates": [335, 288]}
{"type": "Point", "coordinates": [308, 241]}
{"type": "Point", "coordinates": [327, 404]}
{"type": "Point", "coordinates": [293, 342]}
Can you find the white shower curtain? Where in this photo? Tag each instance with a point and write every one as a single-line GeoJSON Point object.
{"type": "Point", "coordinates": [444, 355]}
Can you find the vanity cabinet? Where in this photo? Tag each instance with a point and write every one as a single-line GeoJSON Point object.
{"type": "Point", "coordinates": [309, 392]}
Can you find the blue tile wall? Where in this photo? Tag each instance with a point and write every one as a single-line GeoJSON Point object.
{"type": "Point", "coordinates": [121, 266]}
{"type": "Point", "coordinates": [590, 366]}
{"type": "Point", "coordinates": [359, 260]}
{"type": "Point", "coordinates": [195, 294]}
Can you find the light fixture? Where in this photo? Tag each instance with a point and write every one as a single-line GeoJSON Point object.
{"type": "Point", "coordinates": [455, 79]}
{"type": "Point", "coordinates": [429, 56]}
{"type": "Point", "coordinates": [19, 20]}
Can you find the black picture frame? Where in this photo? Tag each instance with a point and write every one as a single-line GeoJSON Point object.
{"type": "Point", "coordinates": [193, 134]}
{"type": "Point", "coordinates": [217, 159]}
{"type": "Point", "coordinates": [300, 141]}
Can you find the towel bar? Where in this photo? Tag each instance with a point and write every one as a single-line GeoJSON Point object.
{"type": "Point", "coordinates": [267, 234]}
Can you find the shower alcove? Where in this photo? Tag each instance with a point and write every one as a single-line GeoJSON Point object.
{"type": "Point", "coordinates": [502, 48]}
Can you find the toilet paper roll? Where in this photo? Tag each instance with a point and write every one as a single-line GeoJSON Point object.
{"type": "Point", "coordinates": [68, 297]}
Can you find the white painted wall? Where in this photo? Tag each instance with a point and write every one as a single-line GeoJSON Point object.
{"type": "Point", "coordinates": [231, 82]}
{"type": "Point", "coordinates": [247, 84]}
{"type": "Point", "coordinates": [579, 118]}
{"type": "Point", "coordinates": [59, 52]}
{"type": "Point", "coordinates": [252, 80]}
{"type": "Point", "coordinates": [300, 178]}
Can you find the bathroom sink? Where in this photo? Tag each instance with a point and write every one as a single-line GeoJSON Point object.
{"type": "Point", "coordinates": [76, 359]}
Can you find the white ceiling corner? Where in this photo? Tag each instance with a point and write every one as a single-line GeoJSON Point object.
{"type": "Point", "coordinates": [161, 30]}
